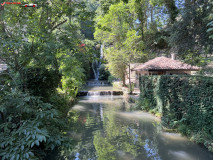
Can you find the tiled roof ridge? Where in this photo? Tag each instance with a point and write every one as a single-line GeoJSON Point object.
{"type": "Point", "coordinates": [160, 63]}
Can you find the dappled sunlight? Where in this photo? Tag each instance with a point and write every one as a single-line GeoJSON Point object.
{"type": "Point", "coordinates": [79, 108]}
{"type": "Point", "coordinates": [166, 136]}
{"type": "Point", "coordinates": [106, 130]}
{"type": "Point", "coordinates": [138, 115]}
{"type": "Point", "coordinates": [181, 155]}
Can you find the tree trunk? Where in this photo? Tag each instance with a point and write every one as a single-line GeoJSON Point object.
{"type": "Point", "coordinates": [124, 83]}
{"type": "Point", "coordinates": [152, 18]}
{"type": "Point", "coordinates": [130, 85]}
{"type": "Point", "coordinates": [142, 32]}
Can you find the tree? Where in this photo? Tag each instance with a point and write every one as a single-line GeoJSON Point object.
{"type": "Point", "coordinates": [172, 9]}
{"type": "Point", "coordinates": [41, 48]}
{"type": "Point", "coordinates": [210, 24]}
{"type": "Point", "coordinates": [131, 44]}
{"type": "Point", "coordinates": [117, 29]}
{"type": "Point", "coordinates": [189, 34]}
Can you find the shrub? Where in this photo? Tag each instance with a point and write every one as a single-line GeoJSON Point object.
{"type": "Point", "coordinates": [29, 127]}
{"type": "Point", "coordinates": [41, 81]}
{"type": "Point", "coordinates": [111, 79]}
{"type": "Point", "coordinates": [103, 73]}
{"type": "Point", "coordinates": [185, 102]}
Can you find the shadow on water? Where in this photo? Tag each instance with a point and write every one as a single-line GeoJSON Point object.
{"type": "Point", "coordinates": [105, 129]}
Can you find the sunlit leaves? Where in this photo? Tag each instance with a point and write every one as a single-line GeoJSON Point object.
{"type": "Point", "coordinates": [210, 29]}
{"type": "Point", "coordinates": [117, 29]}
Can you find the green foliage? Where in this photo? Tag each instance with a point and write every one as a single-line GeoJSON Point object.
{"type": "Point", "coordinates": [189, 32]}
{"type": "Point", "coordinates": [210, 25]}
{"type": "Point", "coordinates": [41, 48]}
{"type": "Point", "coordinates": [184, 102]}
{"type": "Point", "coordinates": [104, 6]}
{"type": "Point", "coordinates": [111, 78]}
{"type": "Point", "coordinates": [72, 74]}
{"type": "Point", "coordinates": [116, 28]}
{"type": "Point", "coordinates": [131, 87]}
{"type": "Point", "coordinates": [41, 82]}
{"type": "Point", "coordinates": [103, 73]}
{"type": "Point", "coordinates": [162, 25]}
{"type": "Point", "coordinates": [115, 64]}
{"type": "Point", "coordinates": [194, 58]}
{"type": "Point", "coordinates": [116, 138]}
{"type": "Point", "coordinates": [26, 124]}
{"type": "Point", "coordinates": [117, 85]}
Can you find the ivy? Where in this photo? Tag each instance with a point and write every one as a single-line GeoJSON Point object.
{"type": "Point", "coordinates": [185, 102]}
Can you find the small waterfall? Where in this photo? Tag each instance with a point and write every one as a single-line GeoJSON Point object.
{"type": "Point", "coordinates": [94, 94]}
{"type": "Point", "coordinates": [96, 65]}
{"type": "Point", "coordinates": [99, 93]}
{"type": "Point", "coordinates": [102, 52]}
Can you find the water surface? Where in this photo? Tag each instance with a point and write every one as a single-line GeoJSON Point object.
{"type": "Point", "coordinates": [106, 129]}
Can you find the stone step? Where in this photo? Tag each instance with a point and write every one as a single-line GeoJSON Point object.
{"type": "Point", "coordinates": [99, 93]}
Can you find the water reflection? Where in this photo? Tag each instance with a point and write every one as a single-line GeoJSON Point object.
{"type": "Point", "coordinates": [105, 129]}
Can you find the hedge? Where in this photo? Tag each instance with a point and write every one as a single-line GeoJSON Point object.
{"type": "Point", "coordinates": [184, 102]}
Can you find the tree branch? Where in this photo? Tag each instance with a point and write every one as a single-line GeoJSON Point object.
{"type": "Point", "coordinates": [58, 25]}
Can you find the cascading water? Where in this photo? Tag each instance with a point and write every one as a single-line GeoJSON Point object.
{"type": "Point", "coordinates": [95, 67]}
{"type": "Point", "coordinates": [96, 64]}
{"type": "Point", "coordinates": [95, 87]}
{"type": "Point", "coordinates": [99, 93]}
{"type": "Point", "coordinates": [101, 51]}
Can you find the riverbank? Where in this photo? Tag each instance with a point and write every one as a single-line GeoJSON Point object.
{"type": "Point", "coordinates": [106, 128]}
{"type": "Point", "coordinates": [184, 103]}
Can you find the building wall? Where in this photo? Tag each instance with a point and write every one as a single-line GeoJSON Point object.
{"type": "Point", "coordinates": [133, 75]}
{"type": "Point", "coordinates": [138, 74]}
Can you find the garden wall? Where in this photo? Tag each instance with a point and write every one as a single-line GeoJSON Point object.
{"type": "Point", "coordinates": [184, 102]}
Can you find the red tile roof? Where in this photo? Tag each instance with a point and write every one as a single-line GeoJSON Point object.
{"type": "Point", "coordinates": [164, 63]}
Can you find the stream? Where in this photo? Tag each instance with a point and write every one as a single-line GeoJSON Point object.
{"type": "Point", "coordinates": [107, 129]}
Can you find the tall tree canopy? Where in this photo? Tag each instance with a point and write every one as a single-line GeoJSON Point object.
{"type": "Point", "coordinates": [47, 64]}
{"type": "Point", "coordinates": [161, 26]}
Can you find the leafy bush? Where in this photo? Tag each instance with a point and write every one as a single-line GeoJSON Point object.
{"type": "Point", "coordinates": [111, 79]}
{"type": "Point", "coordinates": [73, 76]}
{"type": "Point", "coordinates": [185, 102]}
{"type": "Point", "coordinates": [29, 127]}
{"type": "Point", "coordinates": [41, 81]}
{"type": "Point", "coordinates": [117, 85]}
{"type": "Point", "coordinates": [103, 73]}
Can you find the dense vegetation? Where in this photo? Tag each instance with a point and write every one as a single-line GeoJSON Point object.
{"type": "Point", "coordinates": [49, 51]}
{"type": "Point", "coordinates": [134, 31]}
{"type": "Point", "coordinates": [184, 102]}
